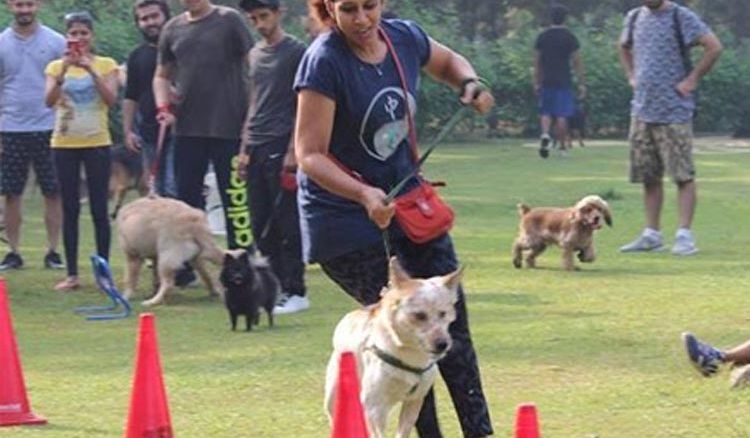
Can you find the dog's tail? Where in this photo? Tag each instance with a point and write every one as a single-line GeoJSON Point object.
{"type": "Point", "coordinates": [208, 246]}
{"type": "Point", "coordinates": [523, 209]}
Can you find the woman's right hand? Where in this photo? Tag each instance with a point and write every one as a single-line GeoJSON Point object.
{"type": "Point", "coordinates": [380, 212]}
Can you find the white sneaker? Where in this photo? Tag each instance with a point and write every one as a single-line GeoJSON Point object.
{"type": "Point", "coordinates": [684, 246]}
{"type": "Point", "coordinates": [291, 304]}
{"type": "Point", "coordinates": [643, 243]}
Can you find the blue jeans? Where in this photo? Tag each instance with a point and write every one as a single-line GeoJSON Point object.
{"type": "Point", "coordinates": [166, 184]}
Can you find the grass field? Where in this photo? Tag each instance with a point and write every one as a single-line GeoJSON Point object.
{"type": "Point", "coordinates": [598, 350]}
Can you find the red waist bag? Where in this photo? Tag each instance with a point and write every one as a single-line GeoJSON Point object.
{"type": "Point", "coordinates": [422, 214]}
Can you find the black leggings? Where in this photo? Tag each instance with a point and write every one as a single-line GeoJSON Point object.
{"type": "Point", "coordinates": [362, 274]}
{"type": "Point", "coordinates": [96, 164]}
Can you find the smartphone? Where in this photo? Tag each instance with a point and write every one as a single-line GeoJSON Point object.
{"type": "Point", "coordinates": [74, 47]}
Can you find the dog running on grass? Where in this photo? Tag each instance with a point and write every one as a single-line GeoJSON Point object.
{"type": "Point", "coordinates": [572, 229]}
{"type": "Point", "coordinates": [249, 284]}
{"type": "Point", "coordinates": [397, 343]}
{"type": "Point", "coordinates": [171, 233]}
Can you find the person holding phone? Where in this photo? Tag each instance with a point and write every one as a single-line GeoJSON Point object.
{"type": "Point", "coordinates": [82, 87]}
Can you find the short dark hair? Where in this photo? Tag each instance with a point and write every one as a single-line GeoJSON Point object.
{"type": "Point", "coordinates": [558, 13]}
{"type": "Point", "coordinates": [143, 3]}
{"type": "Point", "coordinates": [81, 17]}
{"type": "Point", "coordinates": [251, 5]}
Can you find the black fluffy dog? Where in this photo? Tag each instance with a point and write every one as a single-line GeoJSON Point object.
{"type": "Point", "coordinates": [250, 284]}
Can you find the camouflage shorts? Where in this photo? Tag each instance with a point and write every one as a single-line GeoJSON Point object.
{"type": "Point", "coordinates": [659, 148]}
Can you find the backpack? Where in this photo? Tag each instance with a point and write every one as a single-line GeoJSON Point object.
{"type": "Point", "coordinates": [684, 49]}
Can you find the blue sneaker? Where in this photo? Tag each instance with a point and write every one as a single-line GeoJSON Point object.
{"type": "Point", "coordinates": [705, 358]}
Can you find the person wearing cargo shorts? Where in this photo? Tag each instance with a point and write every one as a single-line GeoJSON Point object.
{"type": "Point", "coordinates": [654, 52]}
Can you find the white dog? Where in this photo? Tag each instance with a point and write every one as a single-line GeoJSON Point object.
{"type": "Point", "coordinates": [397, 343]}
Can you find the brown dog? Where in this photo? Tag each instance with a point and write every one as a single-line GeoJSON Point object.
{"type": "Point", "coordinates": [572, 229]}
{"type": "Point", "coordinates": [397, 343]}
{"type": "Point", "coordinates": [171, 233]}
{"type": "Point", "coordinates": [126, 174]}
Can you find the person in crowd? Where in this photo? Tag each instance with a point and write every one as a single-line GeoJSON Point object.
{"type": "Point", "coordinates": [82, 87]}
{"type": "Point", "coordinates": [204, 51]}
{"type": "Point", "coordinates": [138, 107]}
{"type": "Point", "coordinates": [655, 54]}
{"type": "Point", "coordinates": [555, 50]}
{"type": "Point", "coordinates": [26, 47]}
{"type": "Point", "coordinates": [353, 113]}
{"type": "Point", "coordinates": [267, 150]}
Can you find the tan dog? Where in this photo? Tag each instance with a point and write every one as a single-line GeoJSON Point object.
{"type": "Point", "coordinates": [170, 233]}
{"type": "Point", "coordinates": [572, 229]}
{"type": "Point", "coordinates": [397, 343]}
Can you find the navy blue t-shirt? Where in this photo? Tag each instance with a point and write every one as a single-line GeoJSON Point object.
{"type": "Point", "coordinates": [370, 132]}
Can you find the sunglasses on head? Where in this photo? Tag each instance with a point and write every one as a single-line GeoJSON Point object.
{"type": "Point", "coordinates": [78, 17]}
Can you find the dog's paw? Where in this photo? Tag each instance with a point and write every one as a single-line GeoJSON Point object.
{"type": "Point", "coordinates": [517, 263]}
{"type": "Point", "coordinates": [152, 302]}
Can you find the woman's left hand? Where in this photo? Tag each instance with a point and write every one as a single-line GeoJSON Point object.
{"type": "Point", "coordinates": [478, 97]}
{"type": "Point", "coordinates": [84, 62]}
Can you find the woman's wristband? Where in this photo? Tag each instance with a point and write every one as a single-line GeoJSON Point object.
{"type": "Point", "coordinates": [166, 108]}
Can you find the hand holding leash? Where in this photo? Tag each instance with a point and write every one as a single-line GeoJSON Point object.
{"type": "Point", "coordinates": [476, 93]}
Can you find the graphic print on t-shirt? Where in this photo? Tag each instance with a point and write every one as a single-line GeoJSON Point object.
{"type": "Point", "coordinates": [384, 125]}
{"type": "Point", "coordinates": [80, 104]}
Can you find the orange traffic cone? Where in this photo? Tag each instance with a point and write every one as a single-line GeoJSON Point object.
{"type": "Point", "coordinates": [149, 413]}
{"type": "Point", "coordinates": [527, 424]}
{"type": "Point", "coordinates": [14, 404]}
{"type": "Point", "coordinates": [348, 416]}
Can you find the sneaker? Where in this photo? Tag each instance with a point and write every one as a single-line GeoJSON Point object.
{"type": "Point", "coordinates": [684, 246]}
{"type": "Point", "coordinates": [545, 140]}
{"type": "Point", "coordinates": [53, 261]}
{"type": "Point", "coordinates": [12, 260]}
{"type": "Point", "coordinates": [291, 304]}
{"type": "Point", "coordinates": [643, 243]}
{"type": "Point", "coordinates": [705, 358]}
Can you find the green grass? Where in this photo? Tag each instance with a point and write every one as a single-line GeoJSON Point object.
{"type": "Point", "coordinates": [598, 350]}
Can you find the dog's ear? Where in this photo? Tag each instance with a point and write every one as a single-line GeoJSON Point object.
{"type": "Point", "coordinates": [607, 213]}
{"type": "Point", "coordinates": [396, 275]}
{"type": "Point", "coordinates": [228, 257]}
{"type": "Point", "coordinates": [452, 281]}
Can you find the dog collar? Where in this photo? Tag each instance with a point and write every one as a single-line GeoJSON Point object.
{"type": "Point", "coordinates": [398, 363]}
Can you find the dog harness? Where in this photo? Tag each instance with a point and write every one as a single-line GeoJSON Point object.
{"type": "Point", "coordinates": [398, 363]}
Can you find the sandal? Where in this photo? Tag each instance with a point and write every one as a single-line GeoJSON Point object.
{"type": "Point", "coordinates": [67, 285]}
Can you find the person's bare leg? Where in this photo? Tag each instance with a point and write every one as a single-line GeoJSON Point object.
{"type": "Point", "coordinates": [545, 122]}
{"type": "Point", "coordinates": [686, 200]}
{"type": "Point", "coordinates": [53, 220]}
{"type": "Point", "coordinates": [739, 355]}
{"type": "Point", "coordinates": [561, 131]}
{"type": "Point", "coordinates": [653, 197]}
{"type": "Point", "coordinates": [13, 221]}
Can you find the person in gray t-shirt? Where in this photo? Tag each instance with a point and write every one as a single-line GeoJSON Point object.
{"type": "Point", "coordinates": [204, 52]}
{"type": "Point", "coordinates": [26, 47]}
{"type": "Point", "coordinates": [654, 52]}
{"type": "Point", "coordinates": [267, 150]}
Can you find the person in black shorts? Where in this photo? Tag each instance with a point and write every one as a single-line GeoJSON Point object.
{"type": "Point", "coordinates": [26, 47]}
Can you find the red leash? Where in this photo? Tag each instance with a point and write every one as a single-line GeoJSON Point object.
{"type": "Point", "coordinates": [155, 163]}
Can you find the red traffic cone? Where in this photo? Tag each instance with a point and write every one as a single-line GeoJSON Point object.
{"type": "Point", "coordinates": [14, 404]}
{"type": "Point", "coordinates": [348, 416]}
{"type": "Point", "coordinates": [149, 413]}
{"type": "Point", "coordinates": [527, 424]}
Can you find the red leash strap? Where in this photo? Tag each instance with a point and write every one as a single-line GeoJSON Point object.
{"type": "Point", "coordinates": [402, 78]}
{"type": "Point", "coordinates": [157, 156]}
